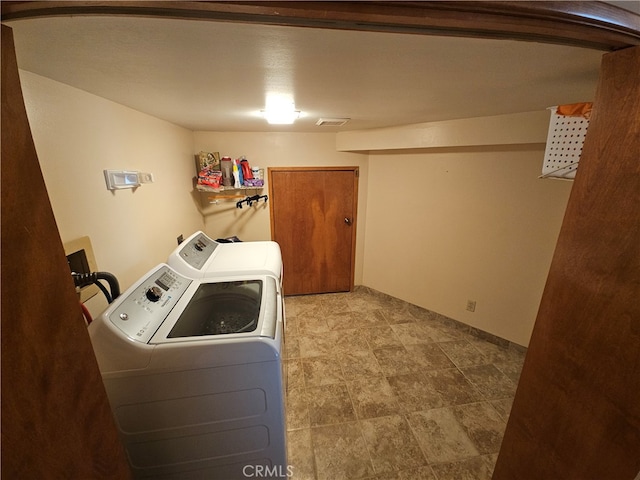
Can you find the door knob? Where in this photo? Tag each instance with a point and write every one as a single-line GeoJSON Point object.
{"type": "Point", "coordinates": [347, 220]}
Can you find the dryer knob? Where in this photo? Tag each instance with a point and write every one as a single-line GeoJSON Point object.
{"type": "Point", "coordinates": [154, 294]}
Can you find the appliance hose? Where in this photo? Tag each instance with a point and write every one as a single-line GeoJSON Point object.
{"type": "Point", "coordinates": [106, 293]}
{"type": "Point", "coordinates": [85, 312]}
{"type": "Point", "coordinates": [84, 279]}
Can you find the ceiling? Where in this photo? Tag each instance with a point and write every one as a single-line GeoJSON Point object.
{"type": "Point", "coordinates": [214, 76]}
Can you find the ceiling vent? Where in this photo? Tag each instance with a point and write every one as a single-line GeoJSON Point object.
{"type": "Point", "coordinates": [331, 122]}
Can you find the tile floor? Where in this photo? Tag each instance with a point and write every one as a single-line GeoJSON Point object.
{"type": "Point", "coordinates": [381, 389]}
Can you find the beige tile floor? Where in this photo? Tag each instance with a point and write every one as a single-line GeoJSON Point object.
{"type": "Point", "coordinates": [380, 389]}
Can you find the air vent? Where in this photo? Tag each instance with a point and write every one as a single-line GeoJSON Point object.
{"type": "Point", "coordinates": [331, 122]}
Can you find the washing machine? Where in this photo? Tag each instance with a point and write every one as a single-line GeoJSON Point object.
{"type": "Point", "coordinates": [192, 368]}
{"type": "Point", "coordinates": [200, 256]}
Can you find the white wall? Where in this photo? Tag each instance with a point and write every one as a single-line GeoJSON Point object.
{"type": "Point", "coordinates": [475, 224]}
{"type": "Point", "coordinates": [77, 135]}
{"type": "Point", "coordinates": [265, 150]}
{"type": "Point", "coordinates": [508, 129]}
{"type": "Point", "coordinates": [442, 225]}
{"type": "Point", "coordinates": [456, 212]}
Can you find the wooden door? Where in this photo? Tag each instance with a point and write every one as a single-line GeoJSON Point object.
{"type": "Point", "coordinates": [56, 420]}
{"type": "Point", "coordinates": [576, 413]}
{"type": "Point", "coordinates": [313, 218]}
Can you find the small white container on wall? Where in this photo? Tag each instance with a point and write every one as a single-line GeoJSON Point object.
{"type": "Point", "coordinates": [564, 144]}
{"type": "Point", "coordinates": [119, 179]}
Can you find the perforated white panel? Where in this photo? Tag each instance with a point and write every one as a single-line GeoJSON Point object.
{"type": "Point", "coordinates": [564, 145]}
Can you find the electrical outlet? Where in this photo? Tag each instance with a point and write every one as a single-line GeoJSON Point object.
{"type": "Point", "coordinates": [471, 305]}
{"type": "Point", "coordinates": [180, 239]}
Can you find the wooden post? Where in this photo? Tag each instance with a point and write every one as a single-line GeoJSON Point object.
{"type": "Point", "coordinates": [576, 414]}
{"type": "Point", "coordinates": [56, 420]}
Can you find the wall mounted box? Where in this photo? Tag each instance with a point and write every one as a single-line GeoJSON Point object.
{"type": "Point", "coordinates": [119, 179]}
{"type": "Point", "coordinates": [81, 259]}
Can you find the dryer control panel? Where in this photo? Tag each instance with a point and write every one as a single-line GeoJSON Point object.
{"type": "Point", "coordinates": [142, 308]}
{"type": "Point", "coordinates": [197, 250]}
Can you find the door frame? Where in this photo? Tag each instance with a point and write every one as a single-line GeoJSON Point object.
{"type": "Point", "coordinates": [56, 418]}
{"type": "Point", "coordinates": [356, 177]}
{"type": "Point", "coordinates": [585, 24]}
{"type": "Point", "coordinates": [575, 413]}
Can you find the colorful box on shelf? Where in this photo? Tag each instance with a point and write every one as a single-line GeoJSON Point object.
{"type": "Point", "coordinates": [210, 178]}
{"type": "Point", "coordinates": [254, 182]}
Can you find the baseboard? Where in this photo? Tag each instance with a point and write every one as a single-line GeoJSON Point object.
{"type": "Point", "coordinates": [426, 313]}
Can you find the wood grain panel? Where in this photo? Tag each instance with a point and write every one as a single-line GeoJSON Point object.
{"type": "Point", "coordinates": [588, 24]}
{"type": "Point", "coordinates": [576, 413]}
{"type": "Point", "coordinates": [308, 211]}
{"type": "Point", "coordinates": [340, 190]}
{"type": "Point", "coordinates": [56, 420]}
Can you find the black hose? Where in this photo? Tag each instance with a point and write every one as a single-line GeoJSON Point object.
{"type": "Point", "coordinates": [107, 295]}
{"type": "Point", "coordinates": [111, 279]}
{"type": "Point", "coordinates": [84, 279]}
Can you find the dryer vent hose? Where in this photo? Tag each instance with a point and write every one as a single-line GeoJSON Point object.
{"type": "Point", "coordinates": [84, 279]}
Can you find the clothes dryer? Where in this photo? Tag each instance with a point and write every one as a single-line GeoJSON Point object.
{"type": "Point", "coordinates": [200, 256]}
{"type": "Point", "coordinates": [193, 372]}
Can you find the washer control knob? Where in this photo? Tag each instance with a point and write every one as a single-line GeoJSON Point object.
{"type": "Point", "coordinates": [154, 293]}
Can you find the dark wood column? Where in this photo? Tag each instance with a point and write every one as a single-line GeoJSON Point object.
{"type": "Point", "coordinates": [576, 413]}
{"type": "Point", "coordinates": [56, 420]}
{"type": "Point", "coordinates": [589, 24]}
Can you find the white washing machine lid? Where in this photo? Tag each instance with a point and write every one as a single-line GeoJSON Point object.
{"type": "Point", "coordinates": [249, 258]}
{"type": "Point", "coordinates": [164, 307]}
{"type": "Point", "coordinates": [223, 308]}
{"type": "Point", "coordinates": [200, 257]}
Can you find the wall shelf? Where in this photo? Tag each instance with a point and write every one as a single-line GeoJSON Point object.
{"type": "Point", "coordinates": [225, 190]}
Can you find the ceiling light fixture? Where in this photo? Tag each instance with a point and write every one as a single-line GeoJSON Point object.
{"type": "Point", "coordinates": [280, 109]}
{"type": "Point", "coordinates": [281, 116]}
